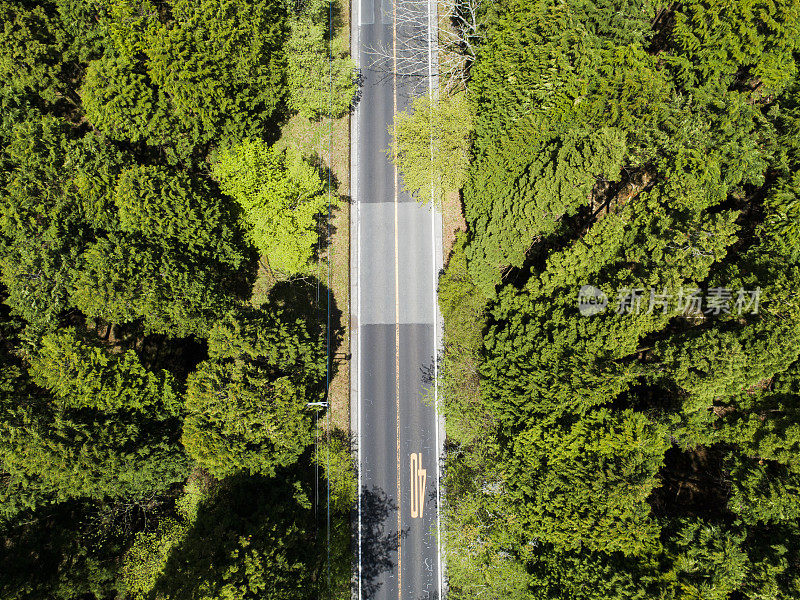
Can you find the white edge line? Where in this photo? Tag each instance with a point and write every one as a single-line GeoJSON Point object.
{"type": "Point", "coordinates": [437, 420]}
{"type": "Point", "coordinates": [355, 272]}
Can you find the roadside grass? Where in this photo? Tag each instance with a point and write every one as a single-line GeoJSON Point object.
{"type": "Point", "coordinates": [313, 139]}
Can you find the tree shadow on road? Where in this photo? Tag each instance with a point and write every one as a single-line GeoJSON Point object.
{"type": "Point", "coordinates": [379, 539]}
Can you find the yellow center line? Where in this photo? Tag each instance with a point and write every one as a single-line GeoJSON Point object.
{"type": "Point", "coordinates": [397, 311]}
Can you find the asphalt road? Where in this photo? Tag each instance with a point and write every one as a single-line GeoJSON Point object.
{"type": "Point", "coordinates": [396, 258]}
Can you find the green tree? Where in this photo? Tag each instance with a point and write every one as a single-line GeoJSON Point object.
{"type": "Point", "coordinates": [120, 101]}
{"type": "Point", "coordinates": [102, 427]}
{"type": "Point", "coordinates": [586, 485]}
{"type": "Point", "coordinates": [124, 279]}
{"type": "Point", "coordinates": [282, 197]}
{"type": "Point", "coordinates": [183, 78]}
{"type": "Point", "coordinates": [63, 551]}
{"type": "Point", "coordinates": [320, 80]}
{"type": "Point", "coordinates": [707, 561]}
{"type": "Point", "coordinates": [717, 40]}
{"type": "Point", "coordinates": [240, 420]}
{"type": "Point", "coordinates": [531, 187]}
{"type": "Point", "coordinates": [42, 231]}
{"type": "Point", "coordinates": [464, 311]}
{"type": "Point", "coordinates": [628, 146]}
{"type": "Point", "coordinates": [430, 145]}
{"type": "Point", "coordinates": [763, 491]}
{"type": "Point", "coordinates": [246, 405]}
{"type": "Point", "coordinates": [264, 545]}
{"type": "Point", "coordinates": [270, 336]}
{"type": "Point", "coordinates": [221, 64]}
{"type": "Point", "coordinates": [169, 205]}
{"type": "Point", "coordinates": [31, 53]}
{"type": "Point", "coordinates": [147, 557]}
{"type": "Point", "coordinates": [86, 376]}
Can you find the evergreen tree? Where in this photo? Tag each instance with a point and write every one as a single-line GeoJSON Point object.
{"type": "Point", "coordinates": [586, 485]}
{"type": "Point", "coordinates": [246, 406]}
{"type": "Point", "coordinates": [99, 426]}
{"type": "Point", "coordinates": [645, 148]}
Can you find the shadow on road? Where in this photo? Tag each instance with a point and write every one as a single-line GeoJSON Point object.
{"type": "Point", "coordinates": [378, 539]}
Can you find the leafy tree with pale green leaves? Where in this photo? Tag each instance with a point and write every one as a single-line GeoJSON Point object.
{"type": "Point", "coordinates": [320, 80]}
{"type": "Point", "coordinates": [430, 145]}
{"type": "Point", "coordinates": [282, 197]}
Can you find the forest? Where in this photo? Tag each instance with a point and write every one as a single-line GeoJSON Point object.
{"type": "Point", "coordinates": [651, 450]}
{"type": "Point", "coordinates": [621, 368]}
{"type": "Point", "coordinates": [150, 400]}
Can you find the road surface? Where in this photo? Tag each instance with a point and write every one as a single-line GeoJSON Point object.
{"type": "Point", "coordinates": [396, 250]}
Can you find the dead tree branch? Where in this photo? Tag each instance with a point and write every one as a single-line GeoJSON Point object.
{"type": "Point", "coordinates": [456, 37]}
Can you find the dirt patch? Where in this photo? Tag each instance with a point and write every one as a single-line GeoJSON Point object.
{"type": "Point", "coordinates": [452, 222]}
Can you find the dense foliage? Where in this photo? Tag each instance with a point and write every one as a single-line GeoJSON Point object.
{"type": "Point", "coordinates": [146, 405]}
{"type": "Point", "coordinates": [649, 450]}
{"type": "Point", "coordinates": [280, 195]}
{"type": "Point", "coordinates": [430, 145]}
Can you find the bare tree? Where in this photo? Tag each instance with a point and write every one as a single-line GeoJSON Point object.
{"type": "Point", "coordinates": [459, 40]}
{"type": "Point", "coordinates": [422, 35]}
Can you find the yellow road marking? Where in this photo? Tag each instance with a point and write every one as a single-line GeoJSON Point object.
{"type": "Point", "coordinates": [418, 479]}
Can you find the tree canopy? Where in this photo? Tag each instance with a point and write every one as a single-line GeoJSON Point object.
{"type": "Point", "coordinates": [281, 196]}
{"type": "Point", "coordinates": [127, 272]}
{"type": "Point", "coordinates": [642, 155]}
{"type": "Point", "coordinates": [246, 406]}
